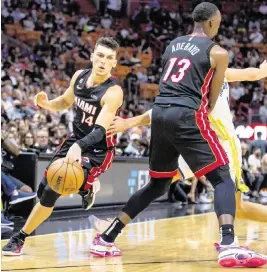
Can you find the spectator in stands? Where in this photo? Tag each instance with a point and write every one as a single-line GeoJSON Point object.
{"type": "Point", "coordinates": [256, 36]}
{"type": "Point", "coordinates": [42, 141]}
{"type": "Point", "coordinates": [131, 81]}
{"type": "Point", "coordinates": [254, 24]}
{"type": "Point", "coordinates": [61, 131]}
{"type": "Point", "coordinates": [254, 162]}
{"type": "Point", "coordinates": [27, 23]}
{"type": "Point", "coordinates": [18, 14]}
{"type": "Point", "coordinates": [259, 143]}
{"type": "Point", "coordinates": [46, 4]}
{"type": "Point", "coordinates": [141, 75]}
{"type": "Point", "coordinates": [155, 4]}
{"type": "Point", "coordinates": [106, 21]}
{"type": "Point", "coordinates": [253, 57]}
{"type": "Point", "coordinates": [28, 141]}
{"type": "Point", "coordinates": [263, 112]}
{"type": "Point", "coordinates": [237, 90]}
{"type": "Point", "coordinates": [12, 189]}
{"type": "Point", "coordinates": [141, 16]}
{"type": "Point", "coordinates": [6, 222]}
{"type": "Point", "coordinates": [134, 60]}
{"type": "Point", "coordinates": [114, 8]}
{"type": "Point", "coordinates": [144, 47]}
{"type": "Point", "coordinates": [263, 8]}
{"type": "Point", "coordinates": [229, 39]}
{"type": "Point", "coordinates": [10, 150]}
{"type": "Point", "coordinates": [133, 146]}
{"type": "Point", "coordinates": [245, 166]}
{"type": "Point", "coordinates": [10, 108]}
{"type": "Point", "coordinates": [144, 147]}
{"type": "Point", "coordinates": [264, 164]}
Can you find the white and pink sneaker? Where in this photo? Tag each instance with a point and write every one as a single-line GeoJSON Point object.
{"type": "Point", "coordinates": [238, 256]}
{"type": "Point", "coordinates": [101, 248]}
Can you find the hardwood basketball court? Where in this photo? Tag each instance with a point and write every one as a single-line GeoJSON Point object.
{"type": "Point", "coordinates": [164, 245]}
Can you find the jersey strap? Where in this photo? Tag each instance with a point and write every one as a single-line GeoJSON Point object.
{"type": "Point", "coordinates": [84, 72]}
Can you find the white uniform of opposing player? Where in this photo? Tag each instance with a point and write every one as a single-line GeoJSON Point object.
{"type": "Point", "coordinates": [222, 123]}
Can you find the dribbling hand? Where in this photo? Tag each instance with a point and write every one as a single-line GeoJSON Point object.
{"type": "Point", "coordinates": [41, 100]}
{"type": "Point", "coordinates": [117, 125]}
{"type": "Point", "coordinates": [75, 153]}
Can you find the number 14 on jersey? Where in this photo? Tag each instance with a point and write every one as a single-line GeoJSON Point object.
{"type": "Point", "coordinates": [88, 120]}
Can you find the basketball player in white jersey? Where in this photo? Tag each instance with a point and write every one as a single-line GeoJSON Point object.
{"type": "Point", "coordinates": [222, 123]}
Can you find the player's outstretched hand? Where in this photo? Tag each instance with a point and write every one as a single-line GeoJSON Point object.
{"type": "Point", "coordinates": [75, 153]}
{"type": "Point", "coordinates": [117, 125]}
{"type": "Point", "coordinates": [263, 68]}
{"type": "Point", "coordinates": [41, 100]}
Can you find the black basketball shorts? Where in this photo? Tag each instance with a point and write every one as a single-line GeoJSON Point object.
{"type": "Point", "coordinates": [179, 130]}
{"type": "Point", "coordinates": [94, 161]}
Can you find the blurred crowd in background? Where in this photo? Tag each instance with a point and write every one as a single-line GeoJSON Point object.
{"type": "Point", "coordinates": [48, 64]}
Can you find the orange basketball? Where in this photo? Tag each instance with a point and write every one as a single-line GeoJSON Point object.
{"type": "Point", "coordinates": [65, 176]}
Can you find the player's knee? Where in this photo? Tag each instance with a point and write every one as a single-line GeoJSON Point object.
{"type": "Point", "coordinates": [159, 185]}
{"type": "Point", "coordinates": [48, 197]}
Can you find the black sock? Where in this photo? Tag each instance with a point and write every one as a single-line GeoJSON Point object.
{"type": "Point", "coordinates": [21, 235]}
{"type": "Point", "coordinates": [113, 231]}
{"type": "Point", "coordinates": [227, 234]}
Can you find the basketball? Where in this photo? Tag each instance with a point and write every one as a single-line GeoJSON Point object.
{"type": "Point", "coordinates": [65, 176]}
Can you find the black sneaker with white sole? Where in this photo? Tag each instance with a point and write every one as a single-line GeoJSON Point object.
{"type": "Point", "coordinates": [88, 197]}
{"type": "Point", "coordinates": [14, 247]}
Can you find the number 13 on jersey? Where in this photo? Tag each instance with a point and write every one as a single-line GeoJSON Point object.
{"type": "Point", "coordinates": [182, 65]}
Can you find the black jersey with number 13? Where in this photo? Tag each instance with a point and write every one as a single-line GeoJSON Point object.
{"type": "Point", "coordinates": [88, 107]}
{"type": "Point", "coordinates": [186, 72]}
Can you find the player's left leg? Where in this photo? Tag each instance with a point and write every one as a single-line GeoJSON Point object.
{"type": "Point", "coordinates": [163, 166]}
{"type": "Point", "coordinates": [41, 211]}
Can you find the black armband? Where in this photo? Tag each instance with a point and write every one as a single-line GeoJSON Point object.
{"type": "Point", "coordinates": [92, 138]}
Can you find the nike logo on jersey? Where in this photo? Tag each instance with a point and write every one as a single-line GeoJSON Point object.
{"type": "Point", "coordinates": [80, 82]}
{"type": "Point", "coordinates": [94, 96]}
{"type": "Point", "coordinates": [97, 150]}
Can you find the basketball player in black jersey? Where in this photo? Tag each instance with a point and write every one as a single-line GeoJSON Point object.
{"type": "Point", "coordinates": [97, 98]}
{"type": "Point", "coordinates": [193, 74]}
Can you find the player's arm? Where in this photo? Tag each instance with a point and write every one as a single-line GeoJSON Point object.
{"type": "Point", "coordinates": [219, 61]}
{"type": "Point", "coordinates": [119, 124]}
{"type": "Point", "coordinates": [62, 102]}
{"type": "Point", "coordinates": [248, 74]}
{"type": "Point", "coordinates": [110, 103]}
{"type": "Point", "coordinates": [9, 145]}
